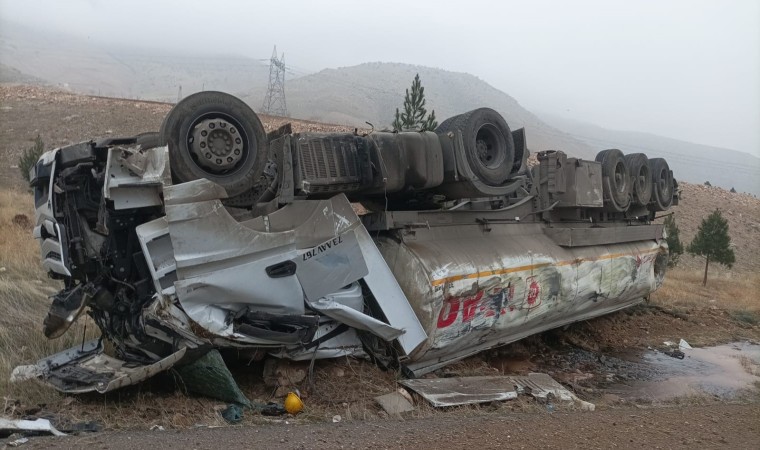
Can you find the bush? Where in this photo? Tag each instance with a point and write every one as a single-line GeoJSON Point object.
{"type": "Point", "coordinates": [30, 156]}
{"type": "Point", "coordinates": [675, 247]}
{"type": "Point", "coordinates": [713, 242]}
{"type": "Point", "coordinates": [415, 115]}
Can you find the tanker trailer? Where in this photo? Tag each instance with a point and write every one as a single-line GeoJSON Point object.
{"type": "Point", "coordinates": [213, 234]}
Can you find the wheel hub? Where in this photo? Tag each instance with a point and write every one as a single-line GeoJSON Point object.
{"type": "Point", "coordinates": [484, 151]}
{"type": "Point", "coordinates": [216, 144]}
{"type": "Point", "coordinates": [489, 146]}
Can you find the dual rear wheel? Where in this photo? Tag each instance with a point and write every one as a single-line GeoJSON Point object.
{"type": "Point", "coordinates": [635, 179]}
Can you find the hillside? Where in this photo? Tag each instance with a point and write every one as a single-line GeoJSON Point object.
{"type": "Point", "coordinates": [742, 212]}
{"type": "Point", "coordinates": [371, 92]}
{"type": "Point", "coordinates": [694, 163]}
{"type": "Point", "coordinates": [85, 66]}
{"type": "Point", "coordinates": [63, 118]}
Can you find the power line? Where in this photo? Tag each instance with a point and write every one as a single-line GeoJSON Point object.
{"type": "Point", "coordinates": [274, 101]}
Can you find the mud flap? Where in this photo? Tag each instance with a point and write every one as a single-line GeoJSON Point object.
{"type": "Point", "coordinates": [85, 368]}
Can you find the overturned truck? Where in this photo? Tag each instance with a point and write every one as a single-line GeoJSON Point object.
{"type": "Point", "coordinates": [212, 234]}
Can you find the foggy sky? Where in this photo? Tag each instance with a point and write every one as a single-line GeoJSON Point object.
{"type": "Point", "coordinates": [687, 69]}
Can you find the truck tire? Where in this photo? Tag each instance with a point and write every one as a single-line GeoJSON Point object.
{"type": "Point", "coordinates": [487, 141]}
{"type": "Point", "coordinates": [641, 178]}
{"type": "Point", "coordinates": [149, 139]}
{"type": "Point", "coordinates": [617, 191]}
{"type": "Point", "coordinates": [662, 184]}
{"type": "Point", "coordinates": [216, 136]}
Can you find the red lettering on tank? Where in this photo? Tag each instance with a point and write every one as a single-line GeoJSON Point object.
{"type": "Point", "coordinates": [470, 305]}
{"type": "Point", "coordinates": [449, 312]}
{"type": "Point", "coordinates": [534, 290]}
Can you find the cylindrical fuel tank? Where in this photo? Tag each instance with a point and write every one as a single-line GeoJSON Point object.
{"type": "Point", "coordinates": [476, 287]}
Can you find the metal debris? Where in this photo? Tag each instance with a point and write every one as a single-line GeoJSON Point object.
{"type": "Point", "coordinates": [542, 386]}
{"type": "Point", "coordinates": [441, 392]}
{"type": "Point", "coordinates": [37, 426]}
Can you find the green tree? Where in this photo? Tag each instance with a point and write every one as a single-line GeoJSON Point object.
{"type": "Point", "coordinates": [30, 156]}
{"type": "Point", "coordinates": [713, 242]}
{"type": "Point", "coordinates": [675, 247]}
{"type": "Point", "coordinates": [414, 115]}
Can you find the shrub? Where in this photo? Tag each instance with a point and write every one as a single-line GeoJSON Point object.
{"type": "Point", "coordinates": [30, 156]}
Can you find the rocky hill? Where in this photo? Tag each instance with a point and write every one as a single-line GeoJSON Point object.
{"type": "Point", "coordinates": [742, 212]}
{"type": "Point", "coordinates": [90, 67]}
{"type": "Point", "coordinates": [63, 118]}
{"type": "Point", "coordinates": [371, 92]}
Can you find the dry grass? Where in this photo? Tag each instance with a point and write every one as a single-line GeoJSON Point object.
{"type": "Point", "coordinates": [24, 289]}
{"type": "Point", "coordinates": [732, 292]}
{"type": "Point", "coordinates": [19, 252]}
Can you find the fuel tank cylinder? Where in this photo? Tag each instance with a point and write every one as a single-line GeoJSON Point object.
{"type": "Point", "coordinates": [474, 287]}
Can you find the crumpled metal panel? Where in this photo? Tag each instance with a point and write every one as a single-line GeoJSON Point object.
{"type": "Point", "coordinates": [159, 254]}
{"type": "Point", "coordinates": [85, 368]}
{"type": "Point", "coordinates": [355, 319]}
{"type": "Point", "coordinates": [221, 264]}
{"type": "Point", "coordinates": [335, 262]}
{"type": "Point", "coordinates": [347, 343]}
{"type": "Point", "coordinates": [441, 392]}
{"type": "Point", "coordinates": [542, 386]}
{"type": "Point", "coordinates": [385, 287]}
{"type": "Point", "coordinates": [141, 185]}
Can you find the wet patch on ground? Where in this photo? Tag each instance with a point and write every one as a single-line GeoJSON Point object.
{"type": "Point", "coordinates": [724, 372]}
{"type": "Point", "coordinates": [655, 375]}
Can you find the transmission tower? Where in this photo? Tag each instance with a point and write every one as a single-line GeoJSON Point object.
{"type": "Point", "coordinates": [274, 101]}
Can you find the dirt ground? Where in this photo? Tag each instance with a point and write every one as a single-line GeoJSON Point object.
{"type": "Point", "coordinates": [592, 358]}
{"type": "Point", "coordinates": [729, 426]}
{"type": "Point", "coordinates": [588, 358]}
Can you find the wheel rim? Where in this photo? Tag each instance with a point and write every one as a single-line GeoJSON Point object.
{"type": "Point", "coordinates": [490, 146]}
{"type": "Point", "coordinates": [218, 144]}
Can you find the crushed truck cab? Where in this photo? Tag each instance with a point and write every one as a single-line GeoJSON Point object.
{"type": "Point", "coordinates": [213, 234]}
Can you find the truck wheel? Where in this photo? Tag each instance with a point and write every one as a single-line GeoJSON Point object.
{"type": "Point", "coordinates": [641, 178]}
{"type": "Point", "coordinates": [617, 191]}
{"type": "Point", "coordinates": [488, 143]}
{"type": "Point", "coordinates": [662, 184]}
{"type": "Point", "coordinates": [216, 136]}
